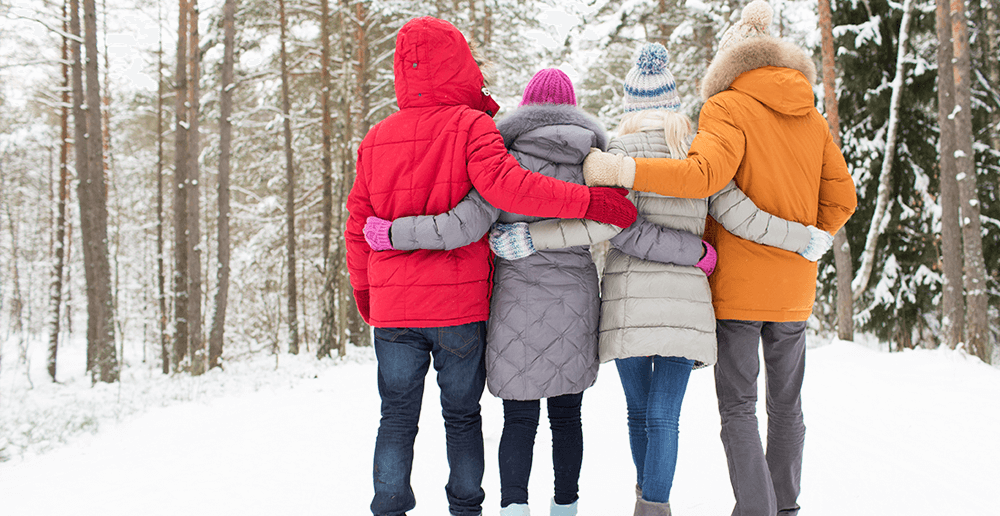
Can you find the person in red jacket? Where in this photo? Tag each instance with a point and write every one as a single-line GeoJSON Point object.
{"type": "Point", "coordinates": [431, 305]}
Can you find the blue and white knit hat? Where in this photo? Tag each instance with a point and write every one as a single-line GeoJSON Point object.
{"type": "Point", "coordinates": [649, 84]}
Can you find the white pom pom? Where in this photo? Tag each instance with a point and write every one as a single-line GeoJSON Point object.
{"type": "Point", "coordinates": [758, 13]}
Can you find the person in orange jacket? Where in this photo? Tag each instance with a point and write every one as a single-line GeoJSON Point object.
{"type": "Point", "coordinates": [759, 127]}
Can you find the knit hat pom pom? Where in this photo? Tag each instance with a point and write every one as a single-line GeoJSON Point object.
{"type": "Point", "coordinates": [758, 13]}
{"type": "Point", "coordinates": [652, 59]}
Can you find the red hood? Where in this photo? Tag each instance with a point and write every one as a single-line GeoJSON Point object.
{"type": "Point", "coordinates": [433, 66]}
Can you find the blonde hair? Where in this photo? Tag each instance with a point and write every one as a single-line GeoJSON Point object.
{"type": "Point", "coordinates": [676, 127]}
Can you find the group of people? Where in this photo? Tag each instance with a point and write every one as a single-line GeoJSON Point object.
{"type": "Point", "coordinates": [468, 248]}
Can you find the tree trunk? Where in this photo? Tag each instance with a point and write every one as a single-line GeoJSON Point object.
{"type": "Point", "coordinates": [976, 323]}
{"type": "Point", "coordinates": [17, 301]}
{"type": "Point", "coordinates": [328, 325]}
{"type": "Point", "coordinates": [841, 247]}
{"type": "Point", "coordinates": [359, 329]}
{"type": "Point", "coordinates": [345, 298]}
{"type": "Point", "coordinates": [664, 28]}
{"type": "Point", "coordinates": [181, 192]}
{"type": "Point", "coordinates": [293, 324]}
{"type": "Point", "coordinates": [83, 175]}
{"type": "Point", "coordinates": [952, 300]}
{"type": "Point", "coordinates": [60, 238]}
{"type": "Point", "coordinates": [991, 29]}
{"type": "Point", "coordinates": [68, 313]}
{"type": "Point", "coordinates": [160, 272]}
{"type": "Point", "coordinates": [106, 361]}
{"type": "Point", "coordinates": [487, 25]}
{"type": "Point", "coordinates": [225, 143]}
{"type": "Point", "coordinates": [474, 28]}
{"type": "Point", "coordinates": [197, 342]}
{"type": "Point", "coordinates": [327, 159]}
{"type": "Point", "coordinates": [880, 217]}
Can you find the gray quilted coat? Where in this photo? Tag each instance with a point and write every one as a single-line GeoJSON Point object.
{"type": "Point", "coordinates": [542, 332]}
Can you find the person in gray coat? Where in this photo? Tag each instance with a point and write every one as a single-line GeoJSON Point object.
{"type": "Point", "coordinates": [657, 319]}
{"type": "Point", "coordinates": [544, 312]}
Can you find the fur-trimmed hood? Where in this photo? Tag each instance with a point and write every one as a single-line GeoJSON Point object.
{"type": "Point", "coordinates": [751, 54]}
{"type": "Point", "coordinates": [533, 116]}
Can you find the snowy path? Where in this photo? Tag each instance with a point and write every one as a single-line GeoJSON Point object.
{"type": "Point", "coordinates": [908, 433]}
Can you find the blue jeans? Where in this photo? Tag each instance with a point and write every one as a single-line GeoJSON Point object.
{"type": "Point", "coordinates": [520, 423]}
{"type": "Point", "coordinates": [404, 356]}
{"type": "Point", "coordinates": [654, 389]}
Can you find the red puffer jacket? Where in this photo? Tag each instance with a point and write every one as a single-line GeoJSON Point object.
{"type": "Point", "coordinates": [423, 160]}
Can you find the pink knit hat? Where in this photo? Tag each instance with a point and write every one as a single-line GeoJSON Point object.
{"type": "Point", "coordinates": [549, 86]}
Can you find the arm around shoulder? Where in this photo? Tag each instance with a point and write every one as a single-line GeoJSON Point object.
{"type": "Point", "coordinates": [560, 233]}
{"type": "Point", "coordinates": [712, 161]}
{"type": "Point", "coordinates": [464, 224]}
{"type": "Point", "coordinates": [739, 215]}
{"type": "Point", "coordinates": [502, 181]}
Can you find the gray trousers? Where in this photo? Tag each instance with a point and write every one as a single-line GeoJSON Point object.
{"type": "Point", "coordinates": [763, 484]}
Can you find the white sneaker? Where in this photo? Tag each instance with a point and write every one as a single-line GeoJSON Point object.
{"type": "Point", "coordinates": [563, 510]}
{"type": "Point", "coordinates": [516, 509]}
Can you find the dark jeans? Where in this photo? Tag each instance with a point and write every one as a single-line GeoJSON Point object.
{"type": "Point", "coordinates": [404, 356]}
{"type": "Point", "coordinates": [763, 484]}
{"type": "Point", "coordinates": [520, 422]}
{"type": "Point", "coordinates": [654, 389]}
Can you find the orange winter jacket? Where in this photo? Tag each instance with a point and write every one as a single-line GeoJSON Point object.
{"type": "Point", "coordinates": [759, 126]}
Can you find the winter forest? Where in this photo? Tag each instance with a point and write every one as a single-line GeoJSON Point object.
{"type": "Point", "coordinates": [173, 174]}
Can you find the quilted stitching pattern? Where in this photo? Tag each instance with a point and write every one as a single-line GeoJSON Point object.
{"type": "Point", "coordinates": [651, 308]}
{"type": "Point", "coordinates": [544, 313]}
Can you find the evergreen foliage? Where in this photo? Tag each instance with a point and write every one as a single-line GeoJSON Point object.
{"type": "Point", "coordinates": [899, 303]}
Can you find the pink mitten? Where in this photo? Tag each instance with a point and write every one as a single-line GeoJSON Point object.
{"type": "Point", "coordinates": [707, 262]}
{"type": "Point", "coordinates": [377, 234]}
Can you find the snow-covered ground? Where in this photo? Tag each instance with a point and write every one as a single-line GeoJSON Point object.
{"type": "Point", "coordinates": [912, 433]}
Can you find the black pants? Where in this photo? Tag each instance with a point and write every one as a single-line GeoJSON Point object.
{"type": "Point", "coordinates": [518, 440]}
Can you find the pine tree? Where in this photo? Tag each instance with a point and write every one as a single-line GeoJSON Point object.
{"type": "Point", "coordinates": [898, 304]}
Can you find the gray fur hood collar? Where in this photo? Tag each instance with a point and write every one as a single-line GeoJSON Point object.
{"type": "Point", "coordinates": [533, 116]}
{"type": "Point", "coordinates": [751, 54]}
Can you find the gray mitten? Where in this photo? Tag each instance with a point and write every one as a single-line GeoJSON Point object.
{"type": "Point", "coordinates": [819, 243]}
{"type": "Point", "coordinates": [511, 241]}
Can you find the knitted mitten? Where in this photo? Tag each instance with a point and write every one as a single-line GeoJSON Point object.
{"type": "Point", "coordinates": [511, 241]}
{"type": "Point", "coordinates": [377, 234]}
{"type": "Point", "coordinates": [707, 262]}
{"type": "Point", "coordinates": [562, 510]}
{"type": "Point", "coordinates": [819, 243]}
{"type": "Point", "coordinates": [515, 509]}
{"type": "Point", "coordinates": [610, 206]}
{"type": "Point", "coordinates": [605, 169]}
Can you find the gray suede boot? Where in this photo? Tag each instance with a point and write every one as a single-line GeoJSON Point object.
{"type": "Point", "coordinates": [644, 508]}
